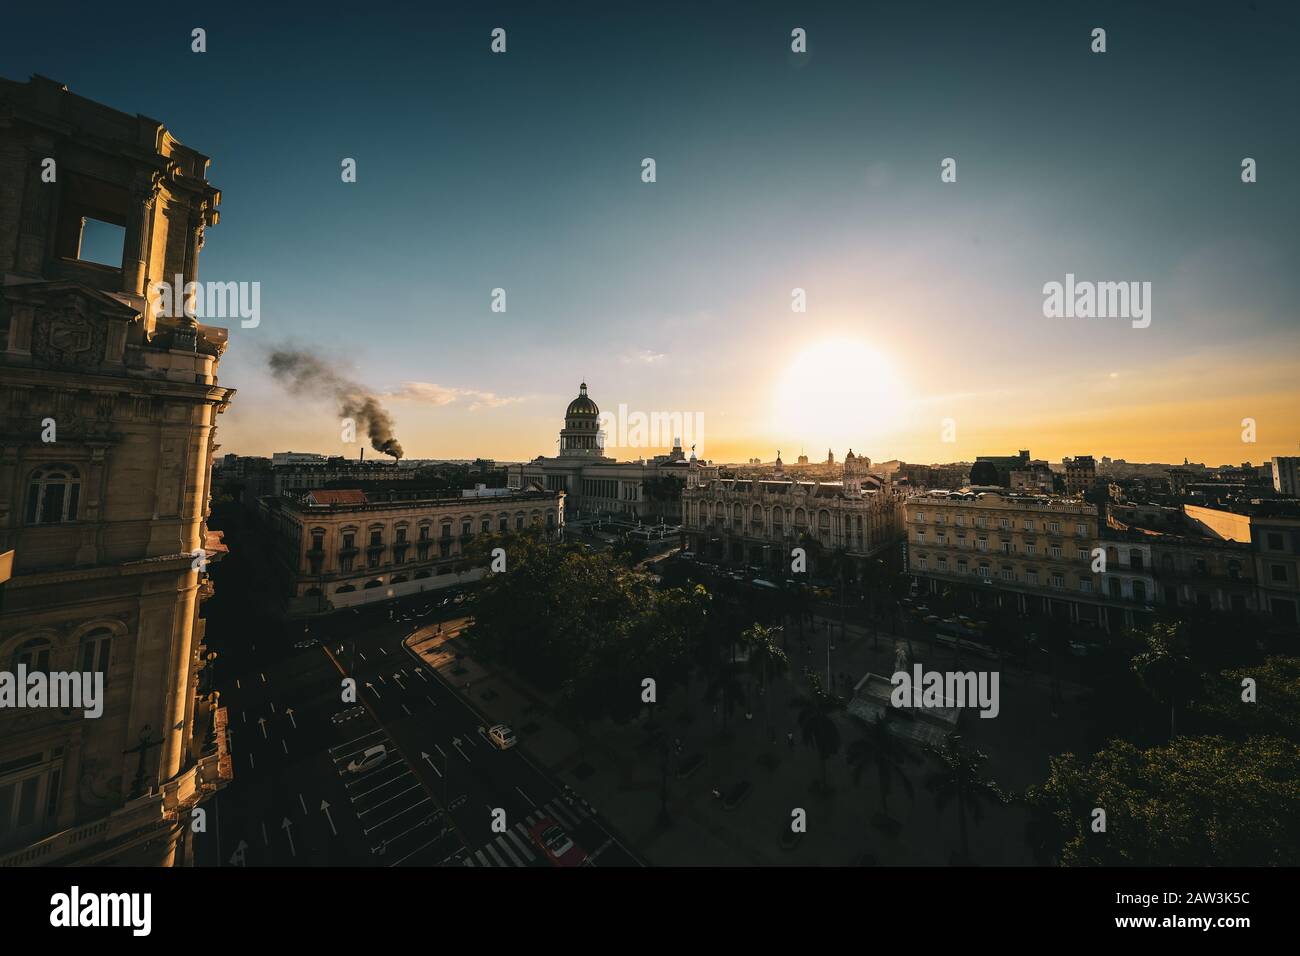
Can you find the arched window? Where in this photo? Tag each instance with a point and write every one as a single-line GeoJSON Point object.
{"type": "Point", "coordinates": [53, 494]}
{"type": "Point", "coordinates": [35, 655]}
{"type": "Point", "coordinates": [95, 650]}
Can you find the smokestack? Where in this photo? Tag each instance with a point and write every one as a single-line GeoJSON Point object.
{"type": "Point", "coordinates": [363, 454]}
{"type": "Point", "coordinates": [304, 373]}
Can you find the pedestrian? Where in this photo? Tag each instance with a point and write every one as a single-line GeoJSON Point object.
{"type": "Point", "coordinates": [790, 739]}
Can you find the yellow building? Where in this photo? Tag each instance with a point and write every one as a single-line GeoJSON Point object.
{"type": "Point", "coordinates": [1032, 553]}
{"type": "Point", "coordinates": [339, 549]}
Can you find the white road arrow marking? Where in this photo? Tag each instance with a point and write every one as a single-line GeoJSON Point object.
{"type": "Point", "coordinates": [288, 831]}
{"type": "Point", "coordinates": [239, 858]}
{"type": "Point", "coordinates": [326, 808]}
{"type": "Point", "coordinates": [398, 681]}
{"type": "Point", "coordinates": [419, 672]}
{"type": "Point", "coordinates": [455, 742]}
{"type": "Point", "coordinates": [261, 722]}
{"type": "Point", "coordinates": [289, 713]}
{"type": "Point", "coordinates": [372, 688]}
{"type": "Point", "coordinates": [429, 760]}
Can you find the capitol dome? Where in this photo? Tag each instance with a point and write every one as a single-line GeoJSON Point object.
{"type": "Point", "coordinates": [582, 406]}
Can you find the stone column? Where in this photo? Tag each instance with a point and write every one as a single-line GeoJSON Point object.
{"type": "Point", "coordinates": [138, 217]}
{"type": "Point", "coordinates": [186, 335]}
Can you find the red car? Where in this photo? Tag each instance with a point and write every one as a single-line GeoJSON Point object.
{"type": "Point", "coordinates": [556, 844]}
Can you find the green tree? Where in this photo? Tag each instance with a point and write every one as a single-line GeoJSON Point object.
{"type": "Point", "coordinates": [725, 687]}
{"type": "Point", "coordinates": [1275, 710]}
{"type": "Point", "coordinates": [1165, 669]}
{"type": "Point", "coordinates": [766, 661]}
{"type": "Point", "coordinates": [817, 724]}
{"type": "Point", "coordinates": [958, 781]}
{"type": "Point", "coordinates": [880, 750]}
{"type": "Point", "coordinates": [1197, 801]}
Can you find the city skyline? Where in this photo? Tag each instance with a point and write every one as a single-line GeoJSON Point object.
{"type": "Point", "coordinates": [775, 173]}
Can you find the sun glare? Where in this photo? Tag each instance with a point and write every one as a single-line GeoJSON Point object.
{"type": "Point", "coordinates": [838, 393]}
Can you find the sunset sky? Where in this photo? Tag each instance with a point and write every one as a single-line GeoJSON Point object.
{"type": "Point", "coordinates": [775, 171]}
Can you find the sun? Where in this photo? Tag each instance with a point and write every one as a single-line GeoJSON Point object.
{"type": "Point", "coordinates": [837, 393]}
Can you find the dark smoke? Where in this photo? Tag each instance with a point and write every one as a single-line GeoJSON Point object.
{"type": "Point", "coordinates": [306, 374]}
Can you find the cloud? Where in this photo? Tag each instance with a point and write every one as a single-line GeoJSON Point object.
{"type": "Point", "coordinates": [431, 393]}
{"type": "Point", "coordinates": [642, 357]}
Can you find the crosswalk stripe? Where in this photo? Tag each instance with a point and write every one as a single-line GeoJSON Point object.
{"type": "Point", "coordinates": [532, 818]}
{"type": "Point", "coordinates": [495, 855]}
{"type": "Point", "coordinates": [467, 862]}
{"type": "Point", "coordinates": [523, 847]}
{"type": "Point", "coordinates": [553, 808]}
{"type": "Point", "coordinates": [482, 859]}
{"type": "Point", "coordinates": [506, 849]}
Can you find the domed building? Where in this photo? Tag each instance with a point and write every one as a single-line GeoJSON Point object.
{"type": "Point", "coordinates": [581, 436]}
{"type": "Point", "coordinates": [596, 485]}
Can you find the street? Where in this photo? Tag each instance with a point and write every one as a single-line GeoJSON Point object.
{"type": "Point", "coordinates": [444, 795]}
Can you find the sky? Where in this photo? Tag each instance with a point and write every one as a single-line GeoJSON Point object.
{"type": "Point", "coordinates": [775, 171]}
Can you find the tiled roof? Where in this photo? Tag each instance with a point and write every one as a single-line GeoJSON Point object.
{"type": "Point", "coordinates": [347, 496]}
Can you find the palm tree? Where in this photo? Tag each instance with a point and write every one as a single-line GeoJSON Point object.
{"type": "Point", "coordinates": [725, 685]}
{"type": "Point", "coordinates": [766, 660]}
{"type": "Point", "coordinates": [957, 780]}
{"type": "Point", "coordinates": [1165, 669]}
{"type": "Point", "coordinates": [880, 749]}
{"type": "Point", "coordinates": [816, 721]}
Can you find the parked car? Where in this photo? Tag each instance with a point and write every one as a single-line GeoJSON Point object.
{"type": "Point", "coordinates": [502, 736]}
{"type": "Point", "coordinates": [369, 759]}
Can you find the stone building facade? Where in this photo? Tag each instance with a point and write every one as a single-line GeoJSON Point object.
{"type": "Point", "coordinates": [107, 418]}
{"type": "Point", "coordinates": [1033, 553]}
{"type": "Point", "coordinates": [339, 549]}
{"type": "Point", "coordinates": [759, 521]}
{"type": "Point", "coordinates": [647, 491]}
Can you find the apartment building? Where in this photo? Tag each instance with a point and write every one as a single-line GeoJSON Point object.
{"type": "Point", "coordinates": [1034, 553]}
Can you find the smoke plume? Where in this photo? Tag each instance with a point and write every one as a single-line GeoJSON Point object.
{"type": "Point", "coordinates": [304, 373]}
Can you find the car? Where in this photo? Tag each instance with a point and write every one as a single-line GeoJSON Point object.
{"type": "Point", "coordinates": [688, 555]}
{"type": "Point", "coordinates": [502, 736]}
{"type": "Point", "coordinates": [556, 844]}
{"type": "Point", "coordinates": [369, 759]}
{"type": "Point", "coordinates": [310, 642]}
